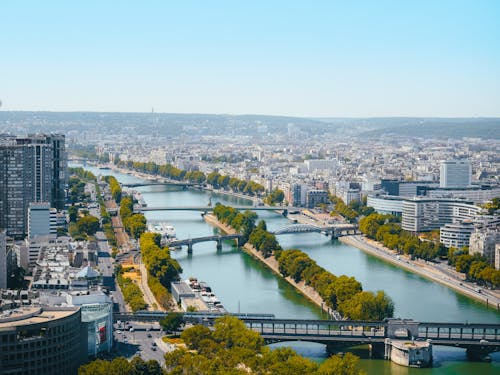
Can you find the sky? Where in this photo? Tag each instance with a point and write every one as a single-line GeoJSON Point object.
{"type": "Point", "coordinates": [298, 58]}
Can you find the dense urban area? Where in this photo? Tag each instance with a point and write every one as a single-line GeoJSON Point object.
{"type": "Point", "coordinates": [90, 285]}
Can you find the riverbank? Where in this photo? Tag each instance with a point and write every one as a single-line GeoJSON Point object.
{"type": "Point", "coordinates": [424, 269]}
{"type": "Point", "coordinates": [150, 177]}
{"type": "Point", "coordinates": [272, 264]}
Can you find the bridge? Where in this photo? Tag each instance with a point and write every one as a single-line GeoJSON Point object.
{"type": "Point", "coordinates": [477, 339]}
{"type": "Point", "coordinates": [335, 230]}
{"type": "Point", "coordinates": [217, 238]}
{"type": "Point", "coordinates": [211, 208]}
{"type": "Point", "coordinates": [158, 183]}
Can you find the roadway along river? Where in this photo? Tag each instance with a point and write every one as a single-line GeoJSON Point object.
{"type": "Point", "coordinates": [243, 284]}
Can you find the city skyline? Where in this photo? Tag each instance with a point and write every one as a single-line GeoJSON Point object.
{"type": "Point", "coordinates": [323, 60]}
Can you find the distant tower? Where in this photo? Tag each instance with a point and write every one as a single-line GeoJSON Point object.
{"type": "Point", "coordinates": [455, 174]}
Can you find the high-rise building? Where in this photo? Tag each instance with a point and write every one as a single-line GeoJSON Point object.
{"type": "Point", "coordinates": [32, 169]}
{"type": "Point", "coordinates": [455, 174]}
{"type": "Point", "coordinates": [3, 260]}
{"type": "Point", "coordinates": [42, 220]}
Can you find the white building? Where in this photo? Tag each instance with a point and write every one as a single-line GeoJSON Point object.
{"type": "Point", "coordinates": [321, 165]}
{"type": "Point", "coordinates": [456, 234]}
{"type": "Point", "coordinates": [455, 174]}
{"type": "Point", "coordinates": [351, 195]}
{"type": "Point", "coordinates": [424, 214]}
{"type": "Point", "coordinates": [386, 204]}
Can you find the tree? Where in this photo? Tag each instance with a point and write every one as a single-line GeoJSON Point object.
{"type": "Point", "coordinates": [232, 332]}
{"type": "Point", "coordinates": [73, 213]}
{"type": "Point", "coordinates": [88, 224]}
{"type": "Point", "coordinates": [348, 364]}
{"type": "Point", "coordinates": [172, 322]}
{"type": "Point", "coordinates": [193, 336]}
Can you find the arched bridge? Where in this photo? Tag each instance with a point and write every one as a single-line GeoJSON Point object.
{"type": "Point", "coordinates": [335, 230]}
{"type": "Point", "coordinates": [217, 238]}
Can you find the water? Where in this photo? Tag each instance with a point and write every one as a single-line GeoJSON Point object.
{"type": "Point", "coordinates": [243, 284]}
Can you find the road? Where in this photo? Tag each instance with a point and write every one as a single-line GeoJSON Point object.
{"type": "Point", "coordinates": [106, 267]}
{"type": "Point", "coordinates": [439, 273]}
{"type": "Point", "coordinates": [130, 344]}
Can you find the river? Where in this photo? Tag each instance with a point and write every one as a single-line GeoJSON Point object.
{"type": "Point", "coordinates": [243, 284]}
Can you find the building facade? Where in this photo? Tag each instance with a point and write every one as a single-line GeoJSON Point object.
{"type": "Point", "coordinates": [3, 260]}
{"type": "Point", "coordinates": [36, 340]}
{"type": "Point", "coordinates": [424, 214]}
{"type": "Point", "coordinates": [455, 174]}
{"type": "Point", "coordinates": [456, 234]}
{"type": "Point", "coordinates": [316, 197]}
{"type": "Point", "coordinates": [483, 243]}
{"type": "Point", "coordinates": [32, 169]}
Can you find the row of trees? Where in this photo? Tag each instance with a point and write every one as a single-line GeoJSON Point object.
{"type": "Point", "coordinates": [76, 192]}
{"type": "Point", "coordinates": [82, 173]}
{"type": "Point", "coordinates": [164, 170]}
{"type": "Point", "coordinates": [264, 241]}
{"type": "Point", "coordinates": [134, 224]}
{"type": "Point", "coordinates": [215, 179]}
{"type": "Point", "coordinates": [219, 181]}
{"type": "Point", "coordinates": [162, 268]}
{"type": "Point", "coordinates": [276, 196]}
{"type": "Point", "coordinates": [121, 366]}
{"type": "Point", "coordinates": [231, 348]}
{"type": "Point", "coordinates": [244, 223]}
{"type": "Point", "coordinates": [131, 291]}
{"type": "Point", "coordinates": [84, 226]}
{"type": "Point", "coordinates": [114, 186]}
{"type": "Point", "coordinates": [343, 210]}
{"type": "Point", "coordinates": [387, 230]}
{"type": "Point", "coordinates": [475, 267]}
{"type": "Point", "coordinates": [341, 293]}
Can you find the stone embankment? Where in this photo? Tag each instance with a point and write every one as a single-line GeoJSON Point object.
{"type": "Point", "coordinates": [272, 264]}
{"type": "Point", "coordinates": [425, 269]}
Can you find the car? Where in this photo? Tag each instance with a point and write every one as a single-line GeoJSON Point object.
{"type": "Point", "coordinates": [154, 343]}
{"type": "Point", "coordinates": [153, 348]}
{"type": "Point", "coordinates": [118, 331]}
{"type": "Point", "coordinates": [149, 335]}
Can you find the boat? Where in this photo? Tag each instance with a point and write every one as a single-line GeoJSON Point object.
{"type": "Point", "coordinates": [166, 231]}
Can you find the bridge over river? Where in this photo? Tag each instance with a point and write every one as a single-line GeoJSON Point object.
{"type": "Point", "coordinates": [159, 183]}
{"type": "Point", "coordinates": [333, 231]}
{"type": "Point", "coordinates": [217, 238]}
{"type": "Point", "coordinates": [478, 339]}
{"type": "Point", "coordinates": [211, 208]}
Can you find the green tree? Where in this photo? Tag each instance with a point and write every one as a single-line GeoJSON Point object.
{"type": "Point", "coordinates": [172, 322]}
{"type": "Point", "coordinates": [88, 224]}
{"type": "Point", "coordinates": [348, 364]}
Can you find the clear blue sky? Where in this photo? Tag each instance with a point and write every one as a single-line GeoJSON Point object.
{"type": "Point", "coordinates": [305, 58]}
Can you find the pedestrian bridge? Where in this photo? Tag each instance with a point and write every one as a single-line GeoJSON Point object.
{"type": "Point", "coordinates": [478, 339]}
{"type": "Point", "coordinates": [334, 230]}
{"type": "Point", "coordinates": [217, 238]}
